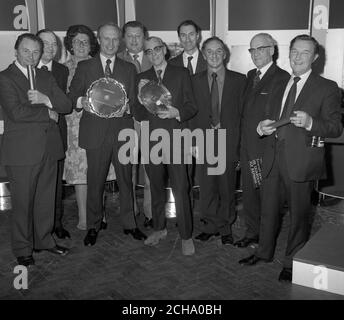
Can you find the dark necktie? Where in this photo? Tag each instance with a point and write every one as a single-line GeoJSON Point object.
{"type": "Point", "coordinates": [107, 68]}
{"type": "Point", "coordinates": [288, 108]}
{"type": "Point", "coordinates": [45, 68]}
{"type": "Point", "coordinates": [256, 78]}
{"type": "Point", "coordinates": [158, 74]}
{"type": "Point", "coordinates": [215, 101]}
{"type": "Point", "coordinates": [190, 65]}
{"type": "Point", "coordinates": [137, 63]}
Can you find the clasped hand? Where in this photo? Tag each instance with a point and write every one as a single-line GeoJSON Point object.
{"type": "Point", "coordinates": [36, 97]}
{"type": "Point", "coordinates": [301, 119]}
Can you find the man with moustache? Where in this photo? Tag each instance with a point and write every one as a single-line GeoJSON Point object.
{"type": "Point", "coordinates": [293, 158]}
{"type": "Point", "coordinates": [134, 33]}
{"type": "Point", "coordinates": [60, 73]}
{"type": "Point", "coordinates": [30, 149]}
{"type": "Point", "coordinates": [99, 136]}
{"type": "Point", "coordinates": [218, 92]}
{"type": "Point", "coordinates": [182, 108]}
{"type": "Point", "coordinates": [259, 85]}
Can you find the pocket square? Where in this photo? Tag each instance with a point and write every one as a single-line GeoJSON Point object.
{"type": "Point", "coordinates": [264, 93]}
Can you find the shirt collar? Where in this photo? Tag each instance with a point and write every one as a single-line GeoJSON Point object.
{"type": "Point", "coordinates": [103, 60]}
{"type": "Point", "coordinates": [220, 74]}
{"type": "Point", "coordinates": [21, 68]}
{"type": "Point", "coordinates": [162, 67]}
{"type": "Point", "coordinates": [194, 55]}
{"type": "Point", "coordinates": [264, 69]}
{"type": "Point", "coordinates": [140, 55]}
{"type": "Point", "coordinates": [304, 76]}
{"type": "Point", "coordinates": [49, 65]}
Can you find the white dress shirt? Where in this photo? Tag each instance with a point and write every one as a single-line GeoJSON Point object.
{"type": "Point", "coordinates": [193, 61]}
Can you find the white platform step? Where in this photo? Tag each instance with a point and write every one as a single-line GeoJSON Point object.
{"type": "Point", "coordinates": [320, 263]}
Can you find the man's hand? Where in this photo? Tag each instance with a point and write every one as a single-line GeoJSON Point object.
{"type": "Point", "coordinates": [264, 127]}
{"type": "Point", "coordinates": [85, 104]}
{"type": "Point", "coordinates": [302, 120]}
{"type": "Point", "coordinates": [36, 97]}
{"type": "Point", "coordinates": [170, 113]}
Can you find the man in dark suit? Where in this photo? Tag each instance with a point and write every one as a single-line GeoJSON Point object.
{"type": "Point", "coordinates": [293, 157]}
{"type": "Point", "coordinates": [218, 93]}
{"type": "Point", "coordinates": [99, 136]}
{"type": "Point", "coordinates": [189, 34]}
{"type": "Point", "coordinates": [134, 33]}
{"type": "Point", "coordinates": [60, 73]}
{"type": "Point", "coordinates": [182, 108]}
{"type": "Point", "coordinates": [30, 149]}
{"type": "Point", "coordinates": [259, 85]}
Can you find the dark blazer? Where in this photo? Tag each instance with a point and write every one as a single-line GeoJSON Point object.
{"type": "Point", "coordinates": [255, 102]}
{"type": "Point", "coordinates": [177, 81]}
{"type": "Point", "coordinates": [125, 55]}
{"type": "Point", "coordinates": [94, 129]}
{"type": "Point", "coordinates": [234, 85]}
{"type": "Point", "coordinates": [320, 98]}
{"type": "Point", "coordinates": [29, 132]}
{"type": "Point", "coordinates": [60, 73]}
{"type": "Point", "coordinates": [201, 63]}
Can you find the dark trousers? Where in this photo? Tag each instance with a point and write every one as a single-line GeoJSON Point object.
{"type": "Point", "coordinates": [251, 197]}
{"type": "Point", "coordinates": [217, 197]}
{"type": "Point", "coordinates": [178, 175]}
{"type": "Point", "coordinates": [98, 163]}
{"type": "Point", "coordinates": [33, 204]}
{"type": "Point", "coordinates": [278, 188]}
{"type": "Point", "coordinates": [59, 190]}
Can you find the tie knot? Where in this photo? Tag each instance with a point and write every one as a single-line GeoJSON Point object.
{"type": "Point", "coordinates": [296, 79]}
{"type": "Point", "coordinates": [135, 56]}
{"type": "Point", "coordinates": [44, 68]}
{"type": "Point", "coordinates": [190, 58]}
{"type": "Point", "coordinates": [214, 75]}
{"type": "Point", "coordinates": [108, 62]}
{"type": "Point", "coordinates": [159, 72]}
{"type": "Point", "coordinates": [258, 73]}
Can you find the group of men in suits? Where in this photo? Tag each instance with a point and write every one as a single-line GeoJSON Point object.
{"type": "Point", "coordinates": [279, 162]}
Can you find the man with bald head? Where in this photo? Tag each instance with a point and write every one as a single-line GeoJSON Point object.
{"type": "Point", "coordinates": [182, 108]}
{"type": "Point", "coordinates": [259, 84]}
{"type": "Point", "coordinates": [99, 136]}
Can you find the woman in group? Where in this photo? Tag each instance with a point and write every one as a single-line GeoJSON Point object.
{"type": "Point", "coordinates": [82, 44]}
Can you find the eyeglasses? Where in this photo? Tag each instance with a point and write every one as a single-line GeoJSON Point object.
{"type": "Point", "coordinates": [80, 43]}
{"type": "Point", "coordinates": [259, 49]}
{"type": "Point", "coordinates": [218, 52]}
{"type": "Point", "coordinates": [157, 49]}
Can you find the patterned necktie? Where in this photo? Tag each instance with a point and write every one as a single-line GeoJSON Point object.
{"type": "Point", "coordinates": [256, 78]}
{"type": "Point", "coordinates": [288, 107]}
{"type": "Point", "coordinates": [215, 112]}
{"type": "Point", "coordinates": [108, 69]}
{"type": "Point", "coordinates": [45, 68]}
{"type": "Point", "coordinates": [158, 74]}
{"type": "Point", "coordinates": [189, 66]}
{"type": "Point", "coordinates": [137, 63]}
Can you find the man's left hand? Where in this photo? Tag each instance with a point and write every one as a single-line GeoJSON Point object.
{"type": "Point", "coordinates": [36, 97]}
{"type": "Point", "coordinates": [301, 119]}
{"type": "Point", "coordinates": [170, 113]}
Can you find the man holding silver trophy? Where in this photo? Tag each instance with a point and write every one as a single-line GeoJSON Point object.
{"type": "Point", "coordinates": [104, 87]}
{"type": "Point", "coordinates": [166, 102]}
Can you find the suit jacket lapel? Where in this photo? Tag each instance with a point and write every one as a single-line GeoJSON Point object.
{"type": "Point", "coordinates": [206, 91]}
{"type": "Point", "coordinates": [20, 78]}
{"type": "Point", "coordinates": [266, 78]}
{"type": "Point", "coordinates": [201, 63]}
{"type": "Point", "coordinates": [306, 91]}
{"type": "Point", "coordinates": [227, 92]}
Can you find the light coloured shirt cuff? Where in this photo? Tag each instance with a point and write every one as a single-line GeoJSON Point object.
{"type": "Point", "coordinates": [309, 128]}
{"type": "Point", "coordinates": [1, 126]}
{"type": "Point", "coordinates": [79, 104]}
{"type": "Point", "coordinates": [49, 105]}
{"type": "Point", "coordinates": [259, 131]}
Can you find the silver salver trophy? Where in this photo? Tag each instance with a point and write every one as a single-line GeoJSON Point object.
{"type": "Point", "coordinates": [154, 96]}
{"type": "Point", "coordinates": [107, 98]}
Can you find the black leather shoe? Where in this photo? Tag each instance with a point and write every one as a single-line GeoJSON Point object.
{"type": "Point", "coordinates": [206, 236]}
{"type": "Point", "coordinates": [286, 275]}
{"type": "Point", "coordinates": [59, 250]}
{"type": "Point", "coordinates": [26, 261]}
{"type": "Point", "coordinates": [148, 223]}
{"type": "Point", "coordinates": [91, 237]}
{"type": "Point", "coordinates": [103, 225]}
{"type": "Point", "coordinates": [62, 233]}
{"type": "Point", "coordinates": [252, 260]}
{"type": "Point", "coordinates": [136, 233]}
{"type": "Point", "coordinates": [245, 242]}
{"type": "Point", "coordinates": [227, 239]}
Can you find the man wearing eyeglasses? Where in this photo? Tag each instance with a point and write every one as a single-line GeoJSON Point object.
{"type": "Point", "coordinates": [182, 108]}
{"type": "Point", "coordinates": [60, 73]}
{"type": "Point", "coordinates": [309, 105]}
{"type": "Point", "coordinates": [259, 84]}
{"type": "Point", "coordinates": [99, 136]}
{"type": "Point", "coordinates": [218, 92]}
